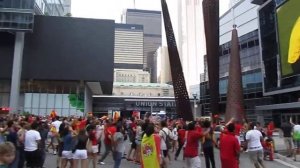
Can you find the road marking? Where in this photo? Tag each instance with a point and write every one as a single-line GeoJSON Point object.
{"type": "Point", "coordinates": [285, 163]}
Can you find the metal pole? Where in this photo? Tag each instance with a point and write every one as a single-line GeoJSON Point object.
{"type": "Point", "coordinates": [16, 72]}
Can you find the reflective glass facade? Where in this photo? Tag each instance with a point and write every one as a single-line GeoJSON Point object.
{"type": "Point", "coordinates": [251, 71]}
{"type": "Point", "coordinates": [16, 15]}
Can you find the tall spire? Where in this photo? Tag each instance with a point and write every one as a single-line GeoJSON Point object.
{"type": "Point", "coordinates": [235, 97]}
{"type": "Point", "coordinates": [183, 106]}
{"type": "Point", "coordinates": [211, 24]}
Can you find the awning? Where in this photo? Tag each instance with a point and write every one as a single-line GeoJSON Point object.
{"type": "Point", "coordinates": [279, 106]}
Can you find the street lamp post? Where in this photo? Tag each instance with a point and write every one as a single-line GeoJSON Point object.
{"type": "Point", "coordinates": [195, 105]}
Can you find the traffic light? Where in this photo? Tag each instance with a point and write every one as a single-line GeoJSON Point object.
{"type": "Point", "coordinates": [4, 110]}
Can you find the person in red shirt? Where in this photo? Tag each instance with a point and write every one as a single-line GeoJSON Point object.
{"type": "Point", "coordinates": [229, 148]}
{"type": "Point", "coordinates": [181, 135]}
{"type": "Point", "coordinates": [94, 143]}
{"type": "Point", "coordinates": [192, 139]}
{"type": "Point", "coordinates": [109, 131]}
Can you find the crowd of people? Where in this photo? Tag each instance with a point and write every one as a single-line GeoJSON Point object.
{"type": "Point", "coordinates": [154, 142]}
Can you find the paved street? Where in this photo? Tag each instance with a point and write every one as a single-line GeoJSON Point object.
{"type": "Point", "coordinates": [244, 162]}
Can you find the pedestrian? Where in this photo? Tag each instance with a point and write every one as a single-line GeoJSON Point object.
{"type": "Point", "coordinates": [80, 150]}
{"type": "Point", "coordinates": [208, 144]}
{"type": "Point", "coordinates": [7, 154]}
{"type": "Point", "coordinates": [132, 134]}
{"type": "Point", "coordinates": [191, 146]}
{"type": "Point", "coordinates": [43, 130]}
{"type": "Point", "coordinates": [254, 146]}
{"type": "Point", "coordinates": [20, 143]}
{"type": "Point", "coordinates": [286, 129]}
{"type": "Point", "coordinates": [94, 142]}
{"type": "Point", "coordinates": [296, 138]}
{"type": "Point", "coordinates": [68, 141]}
{"type": "Point", "coordinates": [138, 141]}
{"type": "Point", "coordinates": [32, 140]}
{"type": "Point", "coordinates": [229, 148]}
{"type": "Point", "coordinates": [109, 131]}
{"type": "Point", "coordinates": [181, 134]}
{"type": "Point", "coordinates": [150, 148]}
{"type": "Point", "coordinates": [165, 144]}
{"type": "Point", "coordinates": [118, 145]}
{"type": "Point", "coordinates": [12, 137]}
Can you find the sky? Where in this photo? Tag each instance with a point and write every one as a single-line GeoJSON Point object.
{"type": "Point", "coordinates": [112, 9]}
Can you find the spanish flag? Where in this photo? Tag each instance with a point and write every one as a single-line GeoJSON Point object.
{"type": "Point", "coordinates": [150, 151]}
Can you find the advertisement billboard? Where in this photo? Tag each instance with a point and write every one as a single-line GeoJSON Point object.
{"type": "Point", "coordinates": [288, 28]}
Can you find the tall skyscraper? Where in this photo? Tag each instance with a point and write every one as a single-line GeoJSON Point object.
{"type": "Point", "coordinates": [129, 46]}
{"type": "Point", "coordinates": [151, 20]}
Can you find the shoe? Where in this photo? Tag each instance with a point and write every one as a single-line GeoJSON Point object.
{"type": "Point", "coordinates": [54, 152]}
{"type": "Point", "coordinates": [102, 163]}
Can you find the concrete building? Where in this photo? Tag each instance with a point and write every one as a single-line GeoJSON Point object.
{"type": "Point", "coordinates": [151, 21]}
{"type": "Point", "coordinates": [190, 38]}
{"type": "Point", "coordinates": [143, 89]}
{"type": "Point", "coordinates": [131, 76]}
{"type": "Point", "coordinates": [42, 70]}
{"type": "Point", "coordinates": [163, 65]}
{"type": "Point", "coordinates": [129, 46]}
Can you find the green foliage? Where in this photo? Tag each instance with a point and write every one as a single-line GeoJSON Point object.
{"type": "Point", "coordinates": [77, 101]}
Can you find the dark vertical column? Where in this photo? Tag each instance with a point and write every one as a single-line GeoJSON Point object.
{"type": "Point", "coordinates": [211, 24]}
{"type": "Point", "coordinates": [183, 107]}
{"type": "Point", "coordinates": [235, 98]}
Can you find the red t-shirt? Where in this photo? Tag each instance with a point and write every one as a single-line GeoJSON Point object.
{"type": "Point", "coordinates": [82, 124]}
{"type": "Point", "coordinates": [198, 128]}
{"type": "Point", "coordinates": [238, 128]}
{"type": "Point", "coordinates": [192, 144]}
{"type": "Point", "coordinates": [181, 135]}
{"type": "Point", "coordinates": [93, 137]}
{"type": "Point", "coordinates": [229, 146]}
{"type": "Point", "coordinates": [111, 130]}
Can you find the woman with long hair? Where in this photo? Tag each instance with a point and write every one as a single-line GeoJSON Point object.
{"type": "Point", "coordinates": [80, 151]}
{"type": "Point", "coordinates": [68, 146]}
{"type": "Point", "coordinates": [208, 145]}
{"type": "Point", "coordinates": [94, 144]}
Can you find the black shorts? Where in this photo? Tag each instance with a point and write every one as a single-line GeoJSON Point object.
{"type": "Point", "coordinates": [165, 153]}
{"type": "Point", "coordinates": [133, 145]}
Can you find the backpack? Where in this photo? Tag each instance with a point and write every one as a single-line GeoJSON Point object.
{"type": "Point", "coordinates": [167, 140]}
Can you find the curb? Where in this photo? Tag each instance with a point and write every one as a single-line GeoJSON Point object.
{"type": "Point", "coordinates": [286, 161]}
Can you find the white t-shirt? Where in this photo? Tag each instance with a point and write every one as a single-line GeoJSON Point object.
{"type": "Point", "coordinates": [31, 138]}
{"type": "Point", "coordinates": [163, 136]}
{"type": "Point", "coordinates": [253, 137]}
{"type": "Point", "coordinates": [175, 134]}
{"type": "Point", "coordinates": [57, 124]}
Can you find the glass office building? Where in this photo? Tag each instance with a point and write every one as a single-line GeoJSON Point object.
{"type": "Point", "coordinates": [251, 77]}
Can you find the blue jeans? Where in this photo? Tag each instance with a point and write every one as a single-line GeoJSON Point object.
{"type": "Point", "coordinates": [117, 156]}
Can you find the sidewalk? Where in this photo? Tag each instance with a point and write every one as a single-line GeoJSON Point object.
{"type": "Point", "coordinates": [281, 156]}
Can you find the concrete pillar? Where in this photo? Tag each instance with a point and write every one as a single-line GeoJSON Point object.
{"type": "Point", "coordinates": [16, 73]}
{"type": "Point", "coordinates": [88, 100]}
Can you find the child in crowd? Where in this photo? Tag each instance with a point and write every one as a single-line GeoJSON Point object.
{"type": "Point", "coordinates": [7, 154]}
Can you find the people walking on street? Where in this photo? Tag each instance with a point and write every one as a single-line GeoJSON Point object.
{"type": "Point", "coordinates": [191, 146]}
{"type": "Point", "coordinates": [208, 144]}
{"type": "Point", "coordinates": [150, 148]}
{"type": "Point", "coordinates": [94, 142]}
{"type": "Point", "coordinates": [181, 134]}
{"type": "Point", "coordinates": [32, 140]}
{"type": "Point", "coordinates": [118, 145]}
{"type": "Point", "coordinates": [80, 150]}
{"type": "Point", "coordinates": [132, 134]}
{"type": "Point", "coordinates": [109, 131]}
{"type": "Point", "coordinates": [165, 144]}
{"type": "Point", "coordinates": [229, 148]}
{"type": "Point", "coordinates": [286, 129]}
{"type": "Point", "coordinates": [296, 138]}
{"type": "Point", "coordinates": [254, 146]}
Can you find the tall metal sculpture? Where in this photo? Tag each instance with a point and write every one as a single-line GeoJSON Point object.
{"type": "Point", "coordinates": [211, 24]}
{"type": "Point", "coordinates": [235, 103]}
{"type": "Point", "coordinates": [183, 106]}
